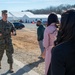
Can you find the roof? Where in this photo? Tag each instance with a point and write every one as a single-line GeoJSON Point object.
{"type": "Point", "coordinates": [9, 15]}
{"type": "Point", "coordinates": [20, 14]}
{"type": "Point", "coordinates": [30, 15]}
{"type": "Point", "coordinates": [41, 16]}
{"type": "Point", "coordinates": [37, 16]}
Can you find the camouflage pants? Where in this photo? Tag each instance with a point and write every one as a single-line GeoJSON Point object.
{"type": "Point", "coordinates": [9, 51]}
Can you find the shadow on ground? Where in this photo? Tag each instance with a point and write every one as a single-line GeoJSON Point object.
{"type": "Point", "coordinates": [26, 68]}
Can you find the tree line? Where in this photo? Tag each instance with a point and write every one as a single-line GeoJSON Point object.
{"type": "Point", "coordinates": [58, 9]}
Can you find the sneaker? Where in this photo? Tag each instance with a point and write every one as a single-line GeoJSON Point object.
{"type": "Point", "coordinates": [11, 71]}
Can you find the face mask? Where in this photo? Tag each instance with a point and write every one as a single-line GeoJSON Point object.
{"type": "Point", "coordinates": [37, 25]}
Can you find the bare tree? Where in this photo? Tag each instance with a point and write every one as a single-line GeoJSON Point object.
{"type": "Point", "coordinates": [50, 9]}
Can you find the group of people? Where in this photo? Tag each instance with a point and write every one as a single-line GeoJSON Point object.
{"type": "Point", "coordinates": [46, 37]}
{"type": "Point", "coordinates": [58, 43]}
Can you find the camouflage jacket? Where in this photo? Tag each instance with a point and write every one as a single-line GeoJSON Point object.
{"type": "Point", "coordinates": [5, 29]}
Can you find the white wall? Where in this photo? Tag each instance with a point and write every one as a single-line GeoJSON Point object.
{"type": "Point", "coordinates": [26, 18]}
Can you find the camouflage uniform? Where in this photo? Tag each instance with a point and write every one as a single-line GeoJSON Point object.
{"type": "Point", "coordinates": [5, 40]}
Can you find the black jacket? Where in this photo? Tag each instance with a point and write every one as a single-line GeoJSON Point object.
{"type": "Point", "coordinates": [40, 32]}
{"type": "Point", "coordinates": [63, 59]}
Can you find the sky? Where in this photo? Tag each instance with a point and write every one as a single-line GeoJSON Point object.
{"type": "Point", "coordinates": [19, 5]}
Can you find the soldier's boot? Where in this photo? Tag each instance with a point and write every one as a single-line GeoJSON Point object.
{"type": "Point", "coordinates": [11, 68]}
{"type": "Point", "coordinates": [0, 64]}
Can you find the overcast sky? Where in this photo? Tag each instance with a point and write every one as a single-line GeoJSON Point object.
{"type": "Point", "coordinates": [18, 5]}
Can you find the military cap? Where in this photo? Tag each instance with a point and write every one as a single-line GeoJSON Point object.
{"type": "Point", "coordinates": [4, 11]}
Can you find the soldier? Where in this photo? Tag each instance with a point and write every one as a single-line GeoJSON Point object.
{"type": "Point", "coordinates": [6, 30]}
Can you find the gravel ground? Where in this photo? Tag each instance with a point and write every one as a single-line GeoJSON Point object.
{"type": "Point", "coordinates": [27, 49]}
{"type": "Point", "coordinates": [32, 59]}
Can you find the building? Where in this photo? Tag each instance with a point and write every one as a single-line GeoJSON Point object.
{"type": "Point", "coordinates": [34, 18]}
{"type": "Point", "coordinates": [20, 15]}
{"type": "Point", "coordinates": [27, 17]}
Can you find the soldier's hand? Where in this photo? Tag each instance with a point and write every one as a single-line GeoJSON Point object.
{"type": "Point", "coordinates": [13, 34]}
{"type": "Point", "coordinates": [0, 34]}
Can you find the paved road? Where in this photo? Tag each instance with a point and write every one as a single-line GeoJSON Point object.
{"type": "Point", "coordinates": [19, 68]}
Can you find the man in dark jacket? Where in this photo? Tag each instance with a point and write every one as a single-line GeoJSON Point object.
{"type": "Point", "coordinates": [40, 35]}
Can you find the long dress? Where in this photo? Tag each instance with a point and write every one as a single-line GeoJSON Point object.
{"type": "Point", "coordinates": [48, 42]}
